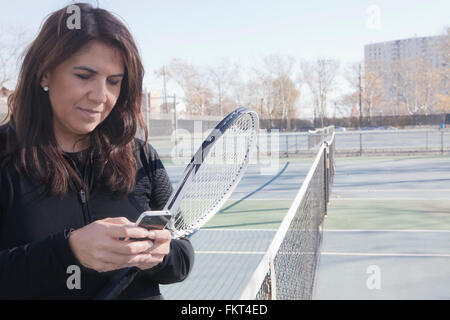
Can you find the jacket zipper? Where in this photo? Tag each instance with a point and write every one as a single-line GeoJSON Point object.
{"type": "Point", "coordinates": [84, 206]}
{"type": "Point", "coordinates": [83, 198]}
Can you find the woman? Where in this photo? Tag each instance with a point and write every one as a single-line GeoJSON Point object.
{"type": "Point", "coordinates": [73, 176]}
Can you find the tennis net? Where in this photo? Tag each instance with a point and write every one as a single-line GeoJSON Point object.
{"type": "Point", "coordinates": [316, 137]}
{"type": "Point", "coordinates": [287, 270]}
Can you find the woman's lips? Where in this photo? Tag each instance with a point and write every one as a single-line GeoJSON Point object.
{"type": "Point", "coordinates": [89, 113]}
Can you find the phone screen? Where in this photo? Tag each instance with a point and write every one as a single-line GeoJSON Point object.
{"type": "Point", "coordinates": [154, 219]}
{"type": "Point", "coordinates": [154, 222]}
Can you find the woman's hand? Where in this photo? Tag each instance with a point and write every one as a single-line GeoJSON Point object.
{"type": "Point", "coordinates": [98, 245]}
{"type": "Point", "coordinates": [161, 248]}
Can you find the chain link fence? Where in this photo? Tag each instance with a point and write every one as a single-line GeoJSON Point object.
{"type": "Point", "coordinates": [350, 143]}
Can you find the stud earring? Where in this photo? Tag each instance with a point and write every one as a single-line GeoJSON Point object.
{"type": "Point", "coordinates": [45, 88]}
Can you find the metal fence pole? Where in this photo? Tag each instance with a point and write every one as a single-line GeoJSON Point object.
{"type": "Point", "coordinates": [360, 144]}
{"type": "Point", "coordinates": [287, 147]}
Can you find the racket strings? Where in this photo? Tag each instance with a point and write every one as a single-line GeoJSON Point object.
{"type": "Point", "coordinates": [218, 174]}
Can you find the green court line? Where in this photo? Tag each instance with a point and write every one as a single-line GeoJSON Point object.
{"type": "Point", "coordinates": [251, 214]}
{"type": "Point", "coordinates": [389, 215]}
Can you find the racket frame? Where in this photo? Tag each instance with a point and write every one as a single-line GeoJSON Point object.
{"type": "Point", "coordinates": [192, 168]}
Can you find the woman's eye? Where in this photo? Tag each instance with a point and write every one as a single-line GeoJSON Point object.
{"type": "Point", "coordinates": [114, 82]}
{"type": "Point", "coordinates": [83, 76]}
{"type": "Point", "coordinates": [87, 76]}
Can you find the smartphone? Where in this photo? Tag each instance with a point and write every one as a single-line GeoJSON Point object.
{"type": "Point", "coordinates": [154, 219]}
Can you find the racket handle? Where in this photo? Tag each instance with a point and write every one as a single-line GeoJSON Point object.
{"type": "Point", "coordinates": [116, 286]}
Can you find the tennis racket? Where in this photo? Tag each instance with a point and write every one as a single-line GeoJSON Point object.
{"type": "Point", "coordinates": [207, 182]}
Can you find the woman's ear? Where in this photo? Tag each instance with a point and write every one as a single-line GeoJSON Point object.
{"type": "Point", "coordinates": [45, 80]}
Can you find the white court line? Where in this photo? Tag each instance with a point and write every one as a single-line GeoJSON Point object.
{"type": "Point", "coordinates": [364, 254]}
{"type": "Point", "coordinates": [387, 190]}
{"type": "Point", "coordinates": [271, 199]}
{"type": "Point", "coordinates": [335, 230]}
{"type": "Point", "coordinates": [390, 199]}
{"type": "Point", "coordinates": [296, 187]}
{"type": "Point", "coordinates": [237, 197]}
{"type": "Point", "coordinates": [231, 252]}
{"type": "Point", "coordinates": [385, 230]}
{"type": "Point", "coordinates": [241, 230]}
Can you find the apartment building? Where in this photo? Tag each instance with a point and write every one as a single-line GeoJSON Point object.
{"type": "Point", "coordinates": [409, 72]}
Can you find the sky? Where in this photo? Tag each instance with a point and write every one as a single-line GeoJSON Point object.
{"type": "Point", "coordinates": [203, 32]}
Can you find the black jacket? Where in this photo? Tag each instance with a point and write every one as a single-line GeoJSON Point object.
{"type": "Point", "coordinates": [34, 250]}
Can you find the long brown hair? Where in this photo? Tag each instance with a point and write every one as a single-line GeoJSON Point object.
{"type": "Point", "coordinates": [112, 142]}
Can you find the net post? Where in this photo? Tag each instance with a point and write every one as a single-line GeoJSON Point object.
{"type": "Point", "coordinates": [273, 280]}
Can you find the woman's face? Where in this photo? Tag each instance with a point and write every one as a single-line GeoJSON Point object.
{"type": "Point", "coordinates": [83, 90]}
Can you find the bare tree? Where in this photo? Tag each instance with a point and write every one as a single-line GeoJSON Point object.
{"type": "Point", "coordinates": [443, 96]}
{"type": "Point", "coordinates": [13, 41]}
{"type": "Point", "coordinates": [257, 93]}
{"type": "Point", "coordinates": [276, 92]}
{"type": "Point", "coordinates": [245, 93]}
{"type": "Point", "coordinates": [444, 57]}
{"type": "Point", "coordinates": [319, 76]}
{"type": "Point", "coordinates": [374, 94]}
{"type": "Point", "coordinates": [416, 83]}
{"type": "Point", "coordinates": [285, 95]}
{"type": "Point", "coordinates": [344, 105]}
{"type": "Point", "coordinates": [367, 83]}
{"type": "Point", "coordinates": [284, 90]}
{"type": "Point", "coordinates": [221, 79]}
{"type": "Point", "coordinates": [194, 83]}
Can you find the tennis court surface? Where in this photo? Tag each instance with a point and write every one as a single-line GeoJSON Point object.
{"type": "Point", "coordinates": [387, 233]}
